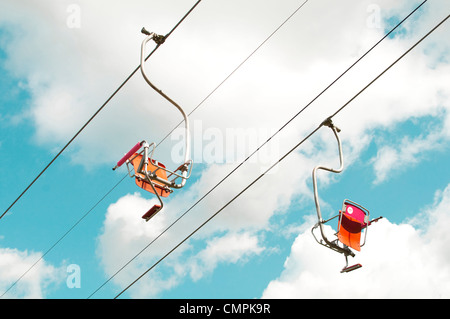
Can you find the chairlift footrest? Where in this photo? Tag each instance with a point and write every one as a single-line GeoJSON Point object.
{"type": "Point", "coordinates": [351, 268]}
{"type": "Point", "coordinates": [151, 212]}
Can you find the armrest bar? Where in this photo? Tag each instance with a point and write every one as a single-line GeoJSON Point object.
{"type": "Point", "coordinates": [128, 155]}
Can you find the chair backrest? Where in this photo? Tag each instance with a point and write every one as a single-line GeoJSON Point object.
{"type": "Point", "coordinates": [355, 212]}
{"type": "Point", "coordinates": [152, 166]}
{"type": "Point", "coordinates": [352, 219]}
{"type": "Point", "coordinates": [349, 231]}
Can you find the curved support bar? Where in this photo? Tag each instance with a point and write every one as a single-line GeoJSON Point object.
{"type": "Point", "coordinates": [316, 195]}
{"type": "Point", "coordinates": [156, 38]}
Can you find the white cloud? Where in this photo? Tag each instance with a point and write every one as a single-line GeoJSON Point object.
{"type": "Point", "coordinates": [394, 160]}
{"type": "Point", "coordinates": [231, 237]}
{"type": "Point", "coordinates": [35, 284]}
{"type": "Point", "coordinates": [125, 235]}
{"type": "Point", "coordinates": [124, 231]}
{"type": "Point", "coordinates": [70, 72]}
{"type": "Point", "coordinates": [432, 222]}
{"type": "Point", "coordinates": [399, 261]}
{"type": "Point", "coordinates": [75, 69]}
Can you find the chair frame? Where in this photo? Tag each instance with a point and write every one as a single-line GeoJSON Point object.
{"type": "Point", "coordinates": [142, 173]}
{"type": "Point", "coordinates": [333, 244]}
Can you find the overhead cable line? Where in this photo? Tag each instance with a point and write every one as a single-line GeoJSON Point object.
{"type": "Point", "coordinates": [97, 112]}
{"type": "Point", "coordinates": [62, 237]}
{"type": "Point", "coordinates": [207, 97]}
{"type": "Point", "coordinates": [238, 165]}
{"type": "Point", "coordinates": [283, 157]}
{"type": "Point", "coordinates": [241, 64]}
{"type": "Point", "coordinates": [254, 152]}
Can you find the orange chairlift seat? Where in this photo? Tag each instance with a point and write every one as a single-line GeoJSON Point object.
{"type": "Point", "coordinates": [149, 174]}
{"type": "Point", "coordinates": [155, 167]}
{"type": "Point", "coordinates": [352, 219]}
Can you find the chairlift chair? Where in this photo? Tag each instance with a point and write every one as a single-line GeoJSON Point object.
{"type": "Point", "coordinates": [150, 174]}
{"type": "Point", "coordinates": [352, 219]}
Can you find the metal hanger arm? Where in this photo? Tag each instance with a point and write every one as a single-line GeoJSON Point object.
{"type": "Point", "coordinates": [320, 223]}
{"type": "Point", "coordinates": [187, 157]}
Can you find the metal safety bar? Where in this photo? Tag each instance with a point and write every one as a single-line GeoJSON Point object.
{"type": "Point", "coordinates": [147, 155]}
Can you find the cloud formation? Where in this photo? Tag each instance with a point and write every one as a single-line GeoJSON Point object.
{"type": "Point", "coordinates": [35, 284]}
{"type": "Point", "coordinates": [399, 261]}
{"type": "Point", "coordinates": [373, 111]}
{"type": "Point", "coordinates": [71, 66]}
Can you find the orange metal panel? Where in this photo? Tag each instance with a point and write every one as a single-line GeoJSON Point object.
{"type": "Point", "coordinates": [152, 166]}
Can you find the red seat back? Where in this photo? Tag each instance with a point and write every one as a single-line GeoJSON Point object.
{"type": "Point", "coordinates": [350, 231]}
{"type": "Point", "coordinates": [355, 212]}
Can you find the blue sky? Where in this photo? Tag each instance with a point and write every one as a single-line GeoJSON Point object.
{"type": "Point", "coordinates": [61, 60]}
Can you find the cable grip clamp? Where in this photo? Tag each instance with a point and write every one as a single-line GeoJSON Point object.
{"type": "Point", "coordinates": [159, 39]}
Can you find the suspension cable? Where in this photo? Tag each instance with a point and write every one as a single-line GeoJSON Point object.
{"type": "Point", "coordinates": [62, 237]}
{"type": "Point", "coordinates": [257, 150]}
{"type": "Point", "coordinates": [96, 113]}
{"type": "Point", "coordinates": [281, 159]}
{"type": "Point", "coordinates": [240, 65]}
{"type": "Point", "coordinates": [207, 97]}
{"type": "Point", "coordinates": [194, 111]}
